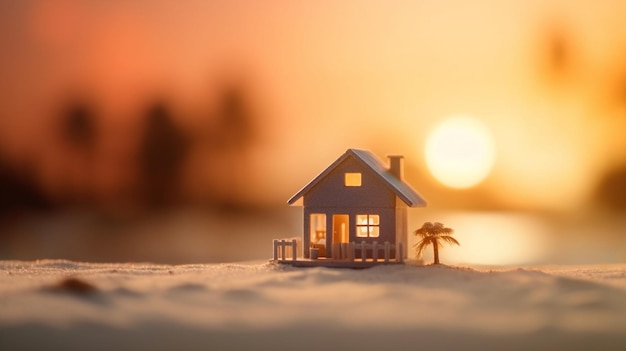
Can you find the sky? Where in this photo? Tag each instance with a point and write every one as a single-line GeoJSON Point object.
{"type": "Point", "coordinates": [547, 79]}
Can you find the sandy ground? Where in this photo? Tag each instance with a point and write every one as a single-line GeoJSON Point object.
{"type": "Point", "coordinates": [64, 305]}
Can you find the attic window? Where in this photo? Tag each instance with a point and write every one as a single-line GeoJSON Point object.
{"type": "Point", "coordinates": [353, 179]}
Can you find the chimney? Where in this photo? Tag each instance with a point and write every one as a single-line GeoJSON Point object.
{"type": "Point", "coordinates": [396, 166]}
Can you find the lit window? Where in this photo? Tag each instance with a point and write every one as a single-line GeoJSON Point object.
{"type": "Point", "coordinates": [368, 226]}
{"type": "Point", "coordinates": [353, 179]}
{"type": "Point", "coordinates": [318, 228]}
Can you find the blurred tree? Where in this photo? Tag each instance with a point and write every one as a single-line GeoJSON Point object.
{"type": "Point", "coordinates": [79, 132]}
{"type": "Point", "coordinates": [79, 126]}
{"type": "Point", "coordinates": [611, 190]}
{"type": "Point", "coordinates": [621, 91]}
{"type": "Point", "coordinates": [162, 155]}
{"type": "Point", "coordinates": [234, 121]}
{"type": "Point", "coordinates": [19, 191]}
{"type": "Point", "coordinates": [224, 141]}
{"type": "Point", "coordinates": [556, 52]}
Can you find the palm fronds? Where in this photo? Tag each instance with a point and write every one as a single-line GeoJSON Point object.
{"type": "Point", "coordinates": [433, 234]}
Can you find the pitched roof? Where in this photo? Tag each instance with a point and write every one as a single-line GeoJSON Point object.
{"type": "Point", "coordinates": [369, 160]}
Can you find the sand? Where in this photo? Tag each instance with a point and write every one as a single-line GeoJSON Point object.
{"type": "Point", "coordinates": [64, 305]}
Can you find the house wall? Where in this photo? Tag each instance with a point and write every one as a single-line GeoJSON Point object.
{"type": "Point", "coordinates": [331, 191]}
{"type": "Point", "coordinates": [388, 230]}
{"type": "Point", "coordinates": [401, 228]}
{"type": "Point", "coordinates": [330, 196]}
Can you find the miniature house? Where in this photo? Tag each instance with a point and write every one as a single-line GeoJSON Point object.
{"type": "Point", "coordinates": [356, 199]}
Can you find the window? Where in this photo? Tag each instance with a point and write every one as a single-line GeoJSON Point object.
{"type": "Point", "coordinates": [353, 179]}
{"type": "Point", "coordinates": [368, 226]}
{"type": "Point", "coordinates": [318, 228]}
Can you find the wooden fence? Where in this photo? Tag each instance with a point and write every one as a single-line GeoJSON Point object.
{"type": "Point", "coordinates": [285, 250]}
{"type": "Point", "coordinates": [347, 251]}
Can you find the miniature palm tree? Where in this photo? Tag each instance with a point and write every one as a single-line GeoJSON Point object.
{"type": "Point", "coordinates": [433, 234]}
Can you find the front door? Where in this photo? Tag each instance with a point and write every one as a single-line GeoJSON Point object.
{"type": "Point", "coordinates": [341, 228]}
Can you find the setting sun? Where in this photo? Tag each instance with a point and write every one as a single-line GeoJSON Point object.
{"type": "Point", "coordinates": [460, 152]}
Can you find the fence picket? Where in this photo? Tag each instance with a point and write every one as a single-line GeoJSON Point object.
{"type": "Point", "coordinates": [285, 248]}
{"type": "Point", "coordinates": [375, 251]}
{"type": "Point", "coordinates": [351, 252]}
{"type": "Point", "coordinates": [386, 251]}
{"type": "Point", "coordinates": [362, 251]}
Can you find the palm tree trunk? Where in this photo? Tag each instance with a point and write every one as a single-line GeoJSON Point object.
{"type": "Point", "coordinates": [436, 251]}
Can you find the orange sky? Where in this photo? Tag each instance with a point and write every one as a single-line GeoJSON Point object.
{"type": "Point", "coordinates": [327, 76]}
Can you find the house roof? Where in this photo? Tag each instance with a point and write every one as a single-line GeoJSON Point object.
{"type": "Point", "coordinates": [403, 190]}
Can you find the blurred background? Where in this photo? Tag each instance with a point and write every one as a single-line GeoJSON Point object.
{"type": "Point", "coordinates": [175, 132]}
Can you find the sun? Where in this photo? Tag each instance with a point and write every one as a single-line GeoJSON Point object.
{"type": "Point", "coordinates": [460, 152]}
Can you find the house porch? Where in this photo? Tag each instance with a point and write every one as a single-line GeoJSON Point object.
{"type": "Point", "coordinates": [346, 255]}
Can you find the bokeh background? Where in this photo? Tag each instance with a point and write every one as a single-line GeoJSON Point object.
{"type": "Point", "coordinates": [175, 131]}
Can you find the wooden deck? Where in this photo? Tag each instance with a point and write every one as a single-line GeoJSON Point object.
{"type": "Point", "coordinates": [329, 263]}
{"type": "Point", "coordinates": [344, 254]}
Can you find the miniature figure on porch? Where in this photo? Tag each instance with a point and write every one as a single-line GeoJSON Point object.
{"type": "Point", "coordinates": [433, 234]}
{"type": "Point", "coordinates": [355, 214]}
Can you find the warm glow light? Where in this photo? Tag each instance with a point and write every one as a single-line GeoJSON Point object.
{"type": "Point", "coordinates": [460, 152]}
{"type": "Point", "coordinates": [493, 239]}
{"type": "Point", "coordinates": [367, 225]}
{"type": "Point", "coordinates": [353, 179]}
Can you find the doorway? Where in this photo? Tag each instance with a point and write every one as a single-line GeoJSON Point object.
{"type": "Point", "coordinates": [341, 228]}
